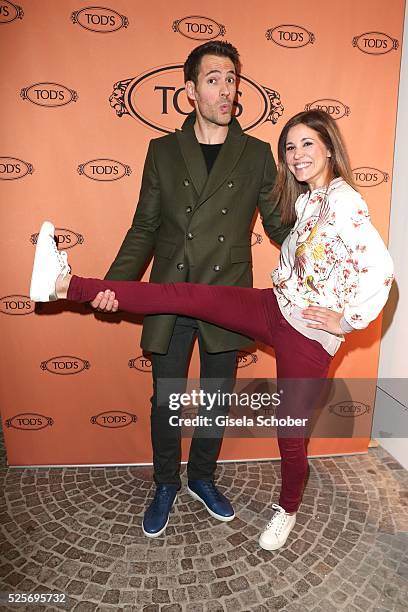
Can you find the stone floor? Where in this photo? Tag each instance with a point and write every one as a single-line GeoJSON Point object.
{"type": "Point", "coordinates": [77, 531]}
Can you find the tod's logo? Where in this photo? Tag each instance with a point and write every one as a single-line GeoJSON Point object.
{"type": "Point", "coordinates": [198, 28]}
{"type": "Point", "coordinates": [10, 12]}
{"type": "Point", "coordinates": [99, 19]}
{"type": "Point", "coordinates": [16, 305]}
{"type": "Point", "coordinates": [141, 363]}
{"type": "Point", "coordinates": [104, 169]}
{"type": "Point", "coordinates": [291, 36]}
{"type": "Point", "coordinates": [158, 99]}
{"type": "Point", "coordinates": [256, 238]}
{"type": "Point", "coordinates": [369, 177]}
{"type": "Point", "coordinates": [66, 239]}
{"type": "Point", "coordinates": [49, 94]}
{"type": "Point", "coordinates": [29, 421]}
{"type": "Point", "coordinates": [114, 419]}
{"type": "Point", "coordinates": [65, 365]}
{"type": "Point", "coordinates": [245, 359]}
{"type": "Point", "coordinates": [334, 108]}
{"type": "Point", "coordinates": [349, 409]}
{"type": "Point", "coordinates": [375, 43]}
{"type": "Point", "coordinates": [12, 168]}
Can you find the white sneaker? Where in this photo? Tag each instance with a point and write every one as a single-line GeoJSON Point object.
{"type": "Point", "coordinates": [49, 263]}
{"type": "Point", "coordinates": [277, 530]}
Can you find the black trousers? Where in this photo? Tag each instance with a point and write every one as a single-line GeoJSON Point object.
{"type": "Point", "coordinates": [217, 371]}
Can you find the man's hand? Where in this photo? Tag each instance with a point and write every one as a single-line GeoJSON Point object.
{"type": "Point", "coordinates": [105, 301]}
{"type": "Point", "coordinates": [323, 318]}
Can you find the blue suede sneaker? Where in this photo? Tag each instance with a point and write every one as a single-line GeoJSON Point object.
{"type": "Point", "coordinates": [156, 516]}
{"type": "Point", "coordinates": [215, 502]}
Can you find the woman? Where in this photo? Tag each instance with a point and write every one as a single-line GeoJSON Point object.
{"type": "Point", "coordinates": [334, 275]}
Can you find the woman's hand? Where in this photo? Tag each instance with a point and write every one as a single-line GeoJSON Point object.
{"type": "Point", "coordinates": [323, 318]}
{"type": "Point", "coordinates": [105, 301]}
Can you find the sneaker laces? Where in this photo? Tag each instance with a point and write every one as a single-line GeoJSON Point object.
{"type": "Point", "coordinates": [62, 259]}
{"type": "Point", "coordinates": [278, 520]}
{"type": "Point", "coordinates": [212, 490]}
{"type": "Point", "coordinates": [162, 496]}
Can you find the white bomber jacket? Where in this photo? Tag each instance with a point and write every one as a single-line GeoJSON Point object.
{"type": "Point", "coordinates": [333, 257]}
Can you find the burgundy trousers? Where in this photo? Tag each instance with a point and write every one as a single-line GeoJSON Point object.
{"type": "Point", "coordinates": [254, 313]}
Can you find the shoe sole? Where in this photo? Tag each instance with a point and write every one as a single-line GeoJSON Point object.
{"type": "Point", "coordinates": [275, 547]}
{"type": "Point", "coordinates": [225, 519]}
{"type": "Point", "coordinates": [36, 288]}
{"type": "Point", "coordinates": [156, 535]}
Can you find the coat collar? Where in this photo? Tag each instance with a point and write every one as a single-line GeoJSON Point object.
{"type": "Point", "coordinates": [205, 185]}
{"type": "Point", "coordinates": [192, 154]}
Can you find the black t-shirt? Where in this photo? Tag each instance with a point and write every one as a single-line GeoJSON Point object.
{"type": "Point", "coordinates": [210, 152]}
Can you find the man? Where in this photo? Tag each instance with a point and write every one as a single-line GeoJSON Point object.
{"type": "Point", "coordinates": [200, 189]}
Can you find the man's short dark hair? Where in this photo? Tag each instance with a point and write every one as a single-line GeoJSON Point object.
{"type": "Point", "coordinates": [213, 47]}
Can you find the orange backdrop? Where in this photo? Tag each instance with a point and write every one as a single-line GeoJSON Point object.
{"type": "Point", "coordinates": [84, 89]}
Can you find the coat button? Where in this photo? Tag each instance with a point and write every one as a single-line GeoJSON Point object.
{"type": "Point", "coordinates": [180, 266]}
{"type": "Point", "coordinates": [189, 209]}
{"type": "Point", "coordinates": [224, 211]}
{"type": "Point", "coordinates": [186, 182]}
{"type": "Point", "coordinates": [230, 184]}
{"type": "Point", "coordinates": [221, 238]}
{"type": "Point", "coordinates": [190, 236]}
{"type": "Point", "coordinates": [217, 268]}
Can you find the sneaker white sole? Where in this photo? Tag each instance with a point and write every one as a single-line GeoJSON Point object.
{"type": "Point", "coordinates": [156, 535]}
{"type": "Point", "coordinates": [39, 293]}
{"type": "Point", "coordinates": [225, 519]}
{"type": "Point", "coordinates": [275, 546]}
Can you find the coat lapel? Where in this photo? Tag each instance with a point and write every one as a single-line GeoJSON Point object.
{"type": "Point", "coordinates": [232, 149]}
{"type": "Point", "coordinates": [192, 154]}
{"type": "Point", "coordinates": [226, 161]}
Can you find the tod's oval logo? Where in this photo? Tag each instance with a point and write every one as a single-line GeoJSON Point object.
{"type": "Point", "coordinates": [142, 363]}
{"type": "Point", "coordinates": [158, 99]}
{"type": "Point", "coordinates": [66, 238]}
{"type": "Point", "coordinates": [65, 365]}
{"type": "Point", "coordinates": [256, 238]}
{"type": "Point", "coordinates": [10, 12]}
{"type": "Point", "coordinates": [99, 19]}
{"type": "Point", "coordinates": [12, 168]}
{"type": "Point", "coordinates": [49, 94]}
{"type": "Point", "coordinates": [198, 28]}
{"type": "Point", "coordinates": [16, 305]}
{"type": "Point", "coordinates": [375, 43]}
{"type": "Point", "coordinates": [104, 169]}
{"type": "Point", "coordinates": [334, 108]}
{"type": "Point", "coordinates": [291, 36]}
{"type": "Point", "coordinates": [245, 359]}
{"type": "Point", "coordinates": [369, 177]}
{"type": "Point", "coordinates": [114, 419]}
{"type": "Point", "coordinates": [29, 421]}
{"type": "Point", "coordinates": [349, 409]}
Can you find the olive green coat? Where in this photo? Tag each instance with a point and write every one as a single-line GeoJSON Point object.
{"type": "Point", "coordinates": [198, 226]}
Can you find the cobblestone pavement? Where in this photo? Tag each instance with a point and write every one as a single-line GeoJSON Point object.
{"type": "Point", "coordinates": [77, 531]}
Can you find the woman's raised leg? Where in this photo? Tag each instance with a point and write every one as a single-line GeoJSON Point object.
{"type": "Point", "coordinates": [239, 309]}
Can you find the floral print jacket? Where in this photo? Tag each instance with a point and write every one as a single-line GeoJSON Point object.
{"type": "Point", "coordinates": [334, 257]}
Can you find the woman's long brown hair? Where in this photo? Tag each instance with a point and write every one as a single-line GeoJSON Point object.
{"type": "Point", "coordinates": [287, 189]}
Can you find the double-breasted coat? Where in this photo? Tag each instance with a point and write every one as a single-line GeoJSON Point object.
{"type": "Point", "coordinates": [197, 225]}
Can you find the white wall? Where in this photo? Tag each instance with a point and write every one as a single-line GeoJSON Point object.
{"type": "Point", "coordinates": [392, 402]}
